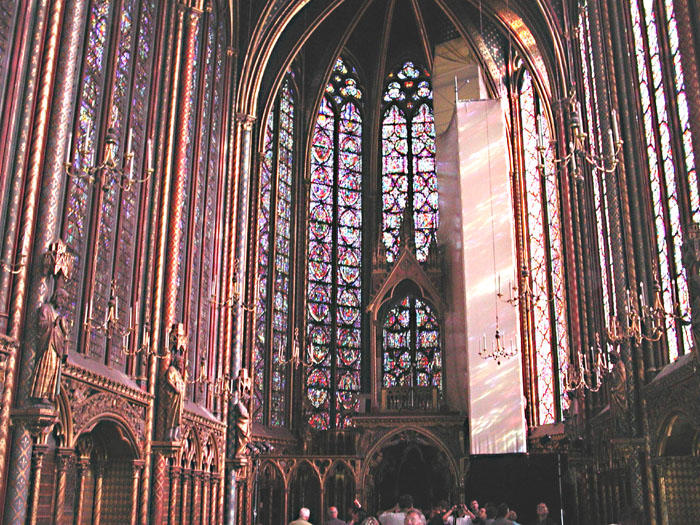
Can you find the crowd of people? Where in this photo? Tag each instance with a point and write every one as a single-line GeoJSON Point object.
{"type": "Point", "coordinates": [404, 513]}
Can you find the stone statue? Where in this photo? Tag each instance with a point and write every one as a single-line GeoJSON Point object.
{"type": "Point", "coordinates": [175, 383]}
{"type": "Point", "coordinates": [51, 347]}
{"type": "Point", "coordinates": [242, 428]}
{"type": "Point", "coordinates": [618, 387]}
{"type": "Point", "coordinates": [241, 414]}
{"type": "Point", "coordinates": [690, 253]}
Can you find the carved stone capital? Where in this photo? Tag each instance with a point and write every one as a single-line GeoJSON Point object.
{"type": "Point", "coordinates": [167, 449]}
{"type": "Point", "coordinates": [84, 447]}
{"type": "Point", "coordinates": [63, 458]}
{"type": "Point", "coordinates": [39, 451]}
{"type": "Point", "coordinates": [240, 466]}
{"type": "Point", "coordinates": [245, 120]}
{"type": "Point", "coordinates": [39, 420]}
{"type": "Point", "coordinates": [137, 466]}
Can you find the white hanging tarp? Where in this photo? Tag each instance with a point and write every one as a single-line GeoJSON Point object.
{"type": "Point", "coordinates": [478, 225]}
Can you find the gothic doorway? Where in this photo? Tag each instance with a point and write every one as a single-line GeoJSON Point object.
{"type": "Point", "coordinates": [269, 495]}
{"type": "Point", "coordinates": [305, 491]}
{"type": "Point", "coordinates": [409, 462]}
{"type": "Point", "coordinates": [100, 480]}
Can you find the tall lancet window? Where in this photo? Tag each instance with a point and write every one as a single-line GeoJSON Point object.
{"type": "Point", "coordinates": [544, 257]}
{"type": "Point", "coordinates": [598, 182]}
{"type": "Point", "coordinates": [672, 171]}
{"type": "Point", "coordinates": [411, 354]}
{"type": "Point", "coordinates": [99, 224]}
{"type": "Point", "coordinates": [408, 159]}
{"type": "Point", "coordinates": [273, 322]}
{"type": "Point", "coordinates": [334, 299]}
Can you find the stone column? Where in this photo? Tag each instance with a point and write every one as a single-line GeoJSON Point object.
{"type": "Point", "coordinates": [174, 176]}
{"type": "Point", "coordinates": [174, 497]}
{"type": "Point", "coordinates": [35, 223]}
{"type": "Point", "coordinates": [37, 461]}
{"type": "Point", "coordinates": [196, 501]}
{"type": "Point", "coordinates": [242, 500]}
{"type": "Point", "coordinates": [621, 264]}
{"type": "Point", "coordinates": [35, 423]}
{"type": "Point", "coordinates": [186, 479]}
{"type": "Point", "coordinates": [181, 166]}
{"type": "Point", "coordinates": [99, 474]}
{"type": "Point", "coordinates": [63, 458]}
{"type": "Point", "coordinates": [158, 484]}
{"type": "Point", "coordinates": [83, 470]}
{"type": "Point", "coordinates": [8, 352]}
{"type": "Point", "coordinates": [216, 507]}
{"type": "Point", "coordinates": [206, 484]}
{"type": "Point", "coordinates": [136, 469]}
{"type": "Point", "coordinates": [243, 139]}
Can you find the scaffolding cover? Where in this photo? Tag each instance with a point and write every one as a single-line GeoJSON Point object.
{"type": "Point", "coordinates": [478, 226]}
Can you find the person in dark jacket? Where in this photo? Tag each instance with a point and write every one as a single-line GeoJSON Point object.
{"type": "Point", "coordinates": [333, 517]}
{"type": "Point", "coordinates": [543, 517]}
{"type": "Point", "coordinates": [502, 515]}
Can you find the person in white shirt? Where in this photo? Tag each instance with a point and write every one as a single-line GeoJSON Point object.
{"type": "Point", "coordinates": [414, 517]}
{"type": "Point", "coordinates": [397, 514]}
{"type": "Point", "coordinates": [458, 515]}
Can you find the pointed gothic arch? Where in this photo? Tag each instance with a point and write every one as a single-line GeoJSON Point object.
{"type": "Point", "coordinates": [415, 435]}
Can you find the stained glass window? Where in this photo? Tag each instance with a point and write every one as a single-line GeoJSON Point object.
{"type": "Point", "coordinates": [112, 95]}
{"type": "Point", "coordinates": [211, 164]}
{"type": "Point", "coordinates": [545, 261]}
{"type": "Point", "coordinates": [283, 221]}
{"type": "Point", "coordinates": [203, 183]}
{"type": "Point", "coordinates": [411, 355]}
{"type": "Point", "coordinates": [112, 197]}
{"type": "Point", "coordinates": [263, 228]}
{"type": "Point", "coordinates": [666, 166]}
{"type": "Point", "coordinates": [408, 159]}
{"type": "Point", "coordinates": [274, 259]}
{"type": "Point", "coordinates": [76, 216]}
{"type": "Point", "coordinates": [592, 122]}
{"type": "Point", "coordinates": [134, 104]}
{"type": "Point", "coordinates": [683, 112]}
{"type": "Point", "coordinates": [334, 286]}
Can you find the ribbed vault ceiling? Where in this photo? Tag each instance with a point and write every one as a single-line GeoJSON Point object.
{"type": "Point", "coordinates": [376, 35]}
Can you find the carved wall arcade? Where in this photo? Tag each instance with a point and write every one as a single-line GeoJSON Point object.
{"type": "Point", "coordinates": [367, 466]}
{"type": "Point", "coordinates": [92, 459]}
{"type": "Point", "coordinates": [603, 470]}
